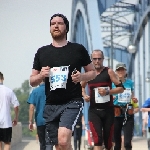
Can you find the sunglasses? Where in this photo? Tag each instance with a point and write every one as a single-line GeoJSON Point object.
{"type": "Point", "coordinates": [97, 58]}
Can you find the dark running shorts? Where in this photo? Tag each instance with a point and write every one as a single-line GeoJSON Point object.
{"type": "Point", "coordinates": [6, 134]}
{"type": "Point", "coordinates": [56, 116]}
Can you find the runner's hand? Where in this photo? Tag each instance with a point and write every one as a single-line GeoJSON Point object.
{"type": "Point", "coordinates": [134, 100]}
{"type": "Point", "coordinates": [14, 122]}
{"type": "Point", "coordinates": [86, 98]}
{"type": "Point", "coordinates": [45, 72]}
{"type": "Point", "coordinates": [76, 77]}
{"type": "Point", "coordinates": [102, 91]}
{"type": "Point", "coordinates": [31, 126]}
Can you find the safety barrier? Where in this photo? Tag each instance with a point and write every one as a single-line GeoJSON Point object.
{"type": "Point", "coordinates": [16, 134]}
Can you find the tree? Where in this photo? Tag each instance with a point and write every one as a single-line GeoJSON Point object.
{"type": "Point", "coordinates": [22, 95]}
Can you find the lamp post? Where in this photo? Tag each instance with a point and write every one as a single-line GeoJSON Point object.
{"type": "Point", "coordinates": [148, 76]}
{"type": "Point", "coordinates": [131, 48]}
{"type": "Point", "coordinates": [112, 51]}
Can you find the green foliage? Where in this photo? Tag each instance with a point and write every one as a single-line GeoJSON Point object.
{"type": "Point", "coordinates": [22, 94]}
{"type": "Point", "coordinates": [27, 133]}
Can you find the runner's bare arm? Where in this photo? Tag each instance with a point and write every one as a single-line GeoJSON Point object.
{"type": "Point", "coordinates": [31, 112]}
{"type": "Point", "coordinates": [145, 109]}
{"type": "Point", "coordinates": [85, 96]}
{"type": "Point", "coordinates": [83, 85]}
{"type": "Point", "coordinates": [37, 76]}
{"type": "Point", "coordinates": [16, 110]}
{"type": "Point", "coordinates": [135, 100]}
{"type": "Point", "coordinates": [116, 81]}
{"type": "Point", "coordinates": [89, 74]}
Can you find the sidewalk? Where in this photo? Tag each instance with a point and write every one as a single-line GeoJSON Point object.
{"type": "Point", "coordinates": [30, 144]}
{"type": "Point", "coordinates": [139, 143]}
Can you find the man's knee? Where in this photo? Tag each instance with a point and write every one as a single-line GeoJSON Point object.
{"type": "Point", "coordinates": [62, 141]}
{"type": "Point", "coordinates": [64, 136]}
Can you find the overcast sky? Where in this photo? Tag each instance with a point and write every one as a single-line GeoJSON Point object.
{"type": "Point", "coordinates": [24, 27]}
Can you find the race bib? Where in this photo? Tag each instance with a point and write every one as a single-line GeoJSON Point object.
{"type": "Point", "coordinates": [58, 77]}
{"type": "Point", "coordinates": [125, 97]}
{"type": "Point", "coordinates": [101, 99]}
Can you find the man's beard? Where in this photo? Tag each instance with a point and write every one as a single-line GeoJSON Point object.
{"type": "Point", "coordinates": [98, 67]}
{"type": "Point", "coordinates": [59, 35]}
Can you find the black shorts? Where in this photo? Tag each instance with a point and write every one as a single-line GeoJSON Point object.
{"type": "Point", "coordinates": [6, 134]}
{"type": "Point", "coordinates": [56, 116]}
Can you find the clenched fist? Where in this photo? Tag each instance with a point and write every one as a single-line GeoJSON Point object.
{"type": "Point", "coordinates": [76, 77]}
{"type": "Point", "coordinates": [102, 91]}
{"type": "Point", "coordinates": [45, 72]}
{"type": "Point", "coordinates": [134, 100]}
{"type": "Point", "coordinates": [86, 98]}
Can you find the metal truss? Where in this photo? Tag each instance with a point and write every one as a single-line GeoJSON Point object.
{"type": "Point", "coordinates": [116, 45]}
{"type": "Point", "coordinates": [126, 7]}
{"type": "Point", "coordinates": [114, 21]}
{"type": "Point", "coordinates": [117, 35]}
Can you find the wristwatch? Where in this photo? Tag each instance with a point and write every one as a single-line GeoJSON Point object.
{"type": "Point", "coordinates": [107, 92]}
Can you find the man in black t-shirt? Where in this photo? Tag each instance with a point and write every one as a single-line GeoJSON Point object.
{"type": "Point", "coordinates": [60, 64]}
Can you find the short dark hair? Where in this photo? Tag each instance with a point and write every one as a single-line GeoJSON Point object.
{"type": "Point", "coordinates": [1, 76]}
{"type": "Point", "coordinates": [64, 18]}
{"type": "Point", "coordinates": [98, 50]}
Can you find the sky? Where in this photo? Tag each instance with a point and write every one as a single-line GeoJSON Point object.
{"type": "Point", "coordinates": [24, 27]}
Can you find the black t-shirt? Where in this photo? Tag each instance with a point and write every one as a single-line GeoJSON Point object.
{"type": "Point", "coordinates": [73, 55]}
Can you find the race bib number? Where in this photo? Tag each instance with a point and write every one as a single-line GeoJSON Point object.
{"type": "Point", "coordinates": [125, 97]}
{"type": "Point", "coordinates": [58, 77]}
{"type": "Point", "coordinates": [99, 98]}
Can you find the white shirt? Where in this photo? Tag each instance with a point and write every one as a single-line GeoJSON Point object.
{"type": "Point", "coordinates": [7, 99]}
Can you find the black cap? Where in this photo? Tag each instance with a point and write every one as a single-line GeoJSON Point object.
{"type": "Point", "coordinates": [64, 18]}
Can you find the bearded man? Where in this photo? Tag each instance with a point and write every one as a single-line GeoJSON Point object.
{"type": "Point", "coordinates": [60, 65]}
